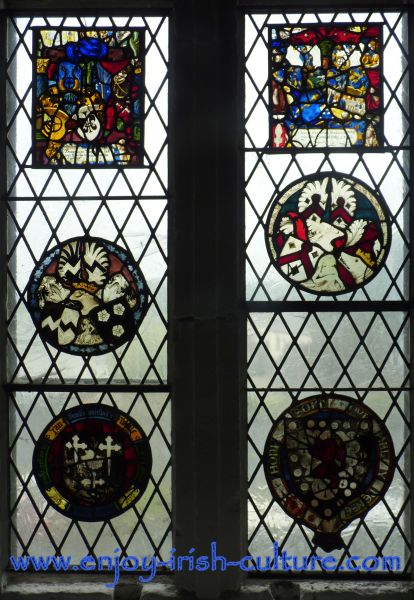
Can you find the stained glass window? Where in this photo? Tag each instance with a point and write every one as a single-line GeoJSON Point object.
{"type": "Point", "coordinates": [327, 280]}
{"type": "Point", "coordinates": [87, 255]}
{"type": "Point", "coordinates": [326, 86]}
{"type": "Point", "coordinates": [328, 460]}
{"type": "Point", "coordinates": [89, 96]}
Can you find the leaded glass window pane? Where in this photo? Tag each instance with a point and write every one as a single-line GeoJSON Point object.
{"type": "Point", "coordinates": [328, 460]}
{"type": "Point", "coordinates": [87, 283]}
{"type": "Point", "coordinates": [295, 356]}
{"type": "Point", "coordinates": [328, 353]}
{"type": "Point", "coordinates": [37, 528]}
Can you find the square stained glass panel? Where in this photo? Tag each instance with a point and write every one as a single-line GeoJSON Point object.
{"type": "Point", "coordinates": [325, 86]}
{"type": "Point", "coordinates": [88, 97]}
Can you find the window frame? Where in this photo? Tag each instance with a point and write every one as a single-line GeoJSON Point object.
{"type": "Point", "coordinates": [207, 307]}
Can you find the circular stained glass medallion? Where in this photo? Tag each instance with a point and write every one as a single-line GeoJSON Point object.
{"type": "Point", "coordinates": [92, 462]}
{"type": "Point", "coordinates": [328, 460]}
{"type": "Point", "coordinates": [87, 296]}
{"type": "Point", "coordinates": [328, 234]}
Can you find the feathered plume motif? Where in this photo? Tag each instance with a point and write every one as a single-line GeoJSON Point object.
{"type": "Point", "coordinates": [313, 188]}
{"type": "Point", "coordinates": [86, 262]}
{"type": "Point", "coordinates": [342, 195]}
{"type": "Point", "coordinates": [286, 225]}
{"type": "Point", "coordinates": [69, 264]}
{"type": "Point", "coordinates": [377, 247]}
{"type": "Point", "coordinates": [96, 262]}
{"type": "Point", "coordinates": [355, 232]}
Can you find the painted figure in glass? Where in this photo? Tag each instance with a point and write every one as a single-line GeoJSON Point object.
{"type": "Point", "coordinates": [89, 97]}
{"type": "Point", "coordinates": [325, 86]}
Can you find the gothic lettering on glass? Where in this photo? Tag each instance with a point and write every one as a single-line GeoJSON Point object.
{"type": "Point", "coordinates": [328, 234]}
{"type": "Point", "coordinates": [325, 86]}
{"type": "Point", "coordinates": [88, 97]}
{"type": "Point", "coordinates": [92, 462]}
{"type": "Point", "coordinates": [328, 460]}
{"type": "Point", "coordinates": [87, 296]}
